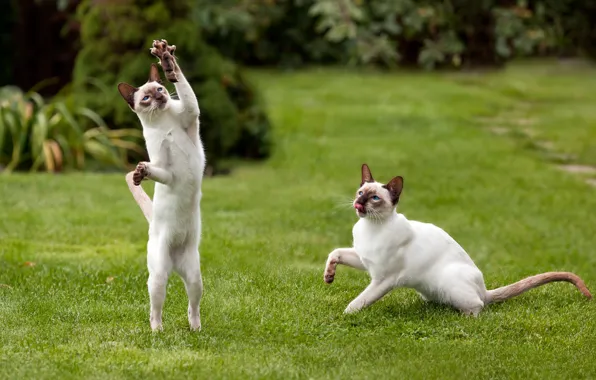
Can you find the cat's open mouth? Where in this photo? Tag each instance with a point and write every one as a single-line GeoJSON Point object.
{"type": "Point", "coordinates": [360, 209]}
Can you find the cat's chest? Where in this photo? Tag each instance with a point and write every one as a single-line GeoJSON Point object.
{"type": "Point", "coordinates": [377, 242]}
{"type": "Point", "coordinates": [172, 145]}
{"type": "Point", "coordinates": [382, 248]}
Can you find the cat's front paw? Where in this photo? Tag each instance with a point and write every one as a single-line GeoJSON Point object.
{"type": "Point", "coordinates": [330, 271]}
{"type": "Point", "coordinates": [141, 172]}
{"type": "Point", "coordinates": [351, 309]}
{"type": "Point", "coordinates": [165, 54]}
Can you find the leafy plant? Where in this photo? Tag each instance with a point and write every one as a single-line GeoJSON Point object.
{"type": "Point", "coordinates": [266, 32]}
{"type": "Point", "coordinates": [427, 33]}
{"type": "Point", "coordinates": [115, 41]}
{"type": "Point", "coordinates": [35, 134]}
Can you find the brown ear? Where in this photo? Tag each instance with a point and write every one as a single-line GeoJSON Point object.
{"type": "Point", "coordinates": [128, 93]}
{"type": "Point", "coordinates": [154, 74]}
{"type": "Point", "coordinates": [366, 175]}
{"type": "Point", "coordinates": [395, 187]}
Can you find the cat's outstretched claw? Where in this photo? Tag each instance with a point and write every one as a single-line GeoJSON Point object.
{"type": "Point", "coordinates": [141, 172]}
{"type": "Point", "coordinates": [165, 54]}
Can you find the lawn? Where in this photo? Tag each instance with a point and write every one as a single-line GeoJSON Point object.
{"type": "Point", "coordinates": [73, 299]}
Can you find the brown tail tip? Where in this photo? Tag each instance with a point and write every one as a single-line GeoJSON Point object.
{"type": "Point", "coordinates": [586, 292]}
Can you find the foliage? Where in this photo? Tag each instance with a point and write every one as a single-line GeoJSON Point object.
{"type": "Point", "coordinates": [35, 134]}
{"type": "Point", "coordinates": [116, 37]}
{"type": "Point", "coordinates": [7, 20]}
{"type": "Point", "coordinates": [264, 32]}
{"type": "Point", "coordinates": [572, 24]}
{"type": "Point", "coordinates": [431, 33]}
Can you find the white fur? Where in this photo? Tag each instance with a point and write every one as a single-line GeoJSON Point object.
{"type": "Point", "coordinates": [177, 162]}
{"type": "Point", "coordinates": [397, 252]}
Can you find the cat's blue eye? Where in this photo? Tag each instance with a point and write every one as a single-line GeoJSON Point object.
{"type": "Point", "coordinates": [146, 97]}
{"type": "Point", "coordinates": [159, 89]}
{"type": "Point", "coordinates": [376, 198]}
{"type": "Point", "coordinates": [360, 193]}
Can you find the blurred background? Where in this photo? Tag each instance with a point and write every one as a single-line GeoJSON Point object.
{"type": "Point", "coordinates": [63, 59]}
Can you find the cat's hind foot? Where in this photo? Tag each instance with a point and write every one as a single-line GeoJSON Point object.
{"type": "Point", "coordinates": [156, 325]}
{"type": "Point", "coordinates": [165, 54]}
{"type": "Point", "coordinates": [194, 320]}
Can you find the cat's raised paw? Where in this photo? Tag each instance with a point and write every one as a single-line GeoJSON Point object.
{"type": "Point", "coordinates": [330, 271]}
{"type": "Point", "coordinates": [165, 54]}
{"type": "Point", "coordinates": [329, 277]}
{"type": "Point", "coordinates": [141, 172]}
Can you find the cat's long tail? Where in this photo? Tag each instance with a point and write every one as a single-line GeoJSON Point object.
{"type": "Point", "coordinates": [505, 292]}
{"type": "Point", "coordinates": [140, 197]}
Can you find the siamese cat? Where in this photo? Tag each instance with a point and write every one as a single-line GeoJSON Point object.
{"type": "Point", "coordinates": [176, 164]}
{"type": "Point", "coordinates": [397, 252]}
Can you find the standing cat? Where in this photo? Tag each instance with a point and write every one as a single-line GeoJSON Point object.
{"type": "Point", "coordinates": [177, 162]}
{"type": "Point", "coordinates": [397, 252]}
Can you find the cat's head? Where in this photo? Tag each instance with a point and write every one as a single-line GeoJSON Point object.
{"type": "Point", "coordinates": [150, 97]}
{"type": "Point", "coordinates": [375, 200]}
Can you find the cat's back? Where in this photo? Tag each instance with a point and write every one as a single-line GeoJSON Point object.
{"type": "Point", "coordinates": [435, 241]}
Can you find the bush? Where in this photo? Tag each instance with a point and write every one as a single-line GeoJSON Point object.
{"type": "Point", "coordinates": [265, 32]}
{"type": "Point", "coordinates": [115, 39]}
{"type": "Point", "coordinates": [431, 33]}
{"type": "Point", "coordinates": [54, 136]}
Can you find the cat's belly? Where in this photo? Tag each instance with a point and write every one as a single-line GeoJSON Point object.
{"type": "Point", "coordinates": [176, 206]}
{"type": "Point", "coordinates": [176, 214]}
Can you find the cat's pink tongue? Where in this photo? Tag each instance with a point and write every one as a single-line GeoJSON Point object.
{"type": "Point", "coordinates": [359, 207]}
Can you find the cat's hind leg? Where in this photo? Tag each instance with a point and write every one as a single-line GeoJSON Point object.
{"type": "Point", "coordinates": [159, 264]}
{"type": "Point", "coordinates": [345, 256]}
{"type": "Point", "coordinates": [188, 265]}
{"type": "Point", "coordinates": [462, 288]}
{"type": "Point", "coordinates": [468, 304]}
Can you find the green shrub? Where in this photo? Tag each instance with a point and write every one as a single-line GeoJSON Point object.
{"type": "Point", "coordinates": [265, 32]}
{"type": "Point", "coordinates": [115, 42]}
{"type": "Point", "coordinates": [429, 33]}
{"type": "Point", "coordinates": [54, 136]}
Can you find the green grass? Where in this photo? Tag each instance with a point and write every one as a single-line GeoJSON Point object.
{"type": "Point", "coordinates": [82, 309]}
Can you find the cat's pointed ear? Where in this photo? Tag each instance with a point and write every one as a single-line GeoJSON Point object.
{"type": "Point", "coordinates": [366, 175]}
{"type": "Point", "coordinates": [154, 74]}
{"type": "Point", "coordinates": [128, 93]}
{"type": "Point", "coordinates": [395, 187]}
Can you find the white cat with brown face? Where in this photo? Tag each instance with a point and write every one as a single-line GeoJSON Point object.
{"type": "Point", "coordinates": [176, 164]}
{"type": "Point", "coordinates": [397, 252]}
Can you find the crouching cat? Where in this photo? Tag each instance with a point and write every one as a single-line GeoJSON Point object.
{"type": "Point", "coordinates": [398, 252]}
{"type": "Point", "coordinates": [177, 162]}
